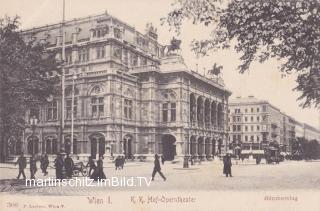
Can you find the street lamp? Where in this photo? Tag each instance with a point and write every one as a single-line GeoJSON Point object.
{"type": "Point", "coordinates": [33, 123]}
{"type": "Point", "coordinates": [74, 77]}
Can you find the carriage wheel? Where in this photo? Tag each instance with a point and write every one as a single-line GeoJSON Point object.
{"type": "Point", "coordinates": [76, 173]}
{"type": "Point", "coordinates": [84, 172]}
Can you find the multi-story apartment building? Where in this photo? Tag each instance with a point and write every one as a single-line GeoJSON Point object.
{"type": "Point", "coordinates": [255, 123]}
{"type": "Point", "coordinates": [131, 97]}
{"type": "Point", "coordinates": [310, 132]}
{"type": "Point", "coordinates": [288, 137]}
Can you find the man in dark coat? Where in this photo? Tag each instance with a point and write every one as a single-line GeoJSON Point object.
{"type": "Point", "coordinates": [68, 162]}
{"type": "Point", "coordinates": [92, 165]}
{"type": "Point", "coordinates": [117, 162]}
{"type": "Point", "coordinates": [58, 162]}
{"type": "Point", "coordinates": [33, 167]}
{"type": "Point", "coordinates": [44, 162]}
{"type": "Point", "coordinates": [22, 161]}
{"type": "Point", "coordinates": [157, 168]}
{"type": "Point", "coordinates": [227, 165]}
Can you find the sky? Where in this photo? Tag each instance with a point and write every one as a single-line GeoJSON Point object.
{"type": "Point", "coordinates": [263, 81]}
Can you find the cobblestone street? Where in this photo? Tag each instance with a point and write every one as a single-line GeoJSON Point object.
{"type": "Point", "coordinates": [207, 176]}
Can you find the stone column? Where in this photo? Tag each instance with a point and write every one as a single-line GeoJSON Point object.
{"type": "Point", "coordinates": [210, 149]}
{"type": "Point", "coordinates": [203, 149]}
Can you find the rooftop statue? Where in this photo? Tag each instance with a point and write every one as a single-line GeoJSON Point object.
{"type": "Point", "coordinates": [173, 47]}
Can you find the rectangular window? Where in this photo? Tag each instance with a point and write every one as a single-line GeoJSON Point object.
{"type": "Point", "coordinates": [246, 110]}
{"type": "Point", "coordinates": [239, 137]}
{"type": "Point", "coordinates": [251, 119]}
{"type": "Point", "coordinates": [234, 119]}
{"type": "Point", "coordinates": [245, 119]}
{"type": "Point", "coordinates": [258, 127]}
{"type": "Point", "coordinates": [117, 33]}
{"type": "Point", "coordinates": [35, 112]}
{"type": "Point", "coordinates": [234, 127]}
{"type": "Point", "coordinates": [83, 55]}
{"type": "Point", "coordinates": [258, 119]}
{"type": "Point", "coordinates": [128, 109]}
{"type": "Point", "coordinates": [264, 108]}
{"type": "Point", "coordinates": [239, 119]}
{"type": "Point", "coordinates": [173, 112]}
{"type": "Point", "coordinates": [251, 138]}
{"type": "Point", "coordinates": [100, 52]}
{"type": "Point", "coordinates": [258, 138]}
{"type": "Point", "coordinates": [252, 129]}
{"type": "Point", "coordinates": [246, 138]}
{"type": "Point", "coordinates": [258, 109]}
{"type": "Point", "coordinates": [52, 111]}
{"type": "Point", "coordinates": [246, 128]}
{"type": "Point", "coordinates": [238, 127]}
{"type": "Point", "coordinates": [134, 60]}
{"type": "Point", "coordinates": [97, 106]}
{"type": "Point", "coordinates": [251, 110]}
{"type": "Point", "coordinates": [234, 138]}
{"type": "Point", "coordinates": [165, 112]}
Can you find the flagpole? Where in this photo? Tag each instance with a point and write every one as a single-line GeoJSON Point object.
{"type": "Point", "coordinates": [62, 79]}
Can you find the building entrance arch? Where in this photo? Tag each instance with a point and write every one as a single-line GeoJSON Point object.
{"type": "Point", "coordinates": [168, 147]}
{"type": "Point", "coordinates": [127, 146]}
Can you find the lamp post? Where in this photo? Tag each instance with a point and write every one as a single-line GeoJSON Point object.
{"type": "Point", "coordinates": [74, 77]}
{"type": "Point", "coordinates": [33, 123]}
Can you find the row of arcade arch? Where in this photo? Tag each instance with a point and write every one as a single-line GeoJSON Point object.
{"type": "Point", "coordinates": [206, 112]}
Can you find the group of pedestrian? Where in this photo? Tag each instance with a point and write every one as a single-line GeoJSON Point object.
{"type": "Point", "coordinates": [119, 162]}
{"type": "Point", "coordinates": [96, 171]}
{"type": "Point", "coordinates": [22, 162]}
{"type": "Point", "coordinates": [64, 166]}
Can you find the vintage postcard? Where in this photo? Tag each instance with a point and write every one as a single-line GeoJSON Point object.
{"type": "Point", "coordinates": [159, 105]}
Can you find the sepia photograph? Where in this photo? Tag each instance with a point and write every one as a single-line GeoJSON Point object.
{"type": "Point", "coordinates": [159, 105]}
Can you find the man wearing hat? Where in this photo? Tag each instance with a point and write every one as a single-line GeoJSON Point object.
{"type": "Point", "coordinates": [59, 163]}
{"type": "Point", "coordinates": [22, 161]}
{"type": "Point", "coordinates": [227, 165]}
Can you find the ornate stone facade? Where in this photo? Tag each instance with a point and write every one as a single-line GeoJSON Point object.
{"type": "Point", "coordinates": [130, 98]}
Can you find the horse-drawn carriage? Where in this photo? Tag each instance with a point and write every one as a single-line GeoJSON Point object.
{"type": "Point", "coordinates": [80, 168]}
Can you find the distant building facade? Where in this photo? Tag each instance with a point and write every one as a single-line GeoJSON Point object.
{"type": "Point", "coordinates": [256, 123]}
{"type": "Point", "coordinates": [253, 121]}
{"type": "Point", "coordinates": [131, 97]}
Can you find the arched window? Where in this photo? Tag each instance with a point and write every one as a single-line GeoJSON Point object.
{"type": "Point", "coordinates": [68, 108]}
{"type": "Point", "coordinates": [169, 107]}
{"type": "Point", "coordinates": [97, 102]}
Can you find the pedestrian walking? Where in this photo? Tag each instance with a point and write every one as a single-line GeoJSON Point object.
{"type": "Point", "coordinates": [117, 162]}
{"type": "Point", "coordinates": [59, 163]}
{"type": "Point", "coordinates": [98, 173]}
{"type": "Point", "coordinates": [22, 162]}
{"type": "Point", "coordinates": [227, 165]}
{"type": "Point", "coordinates": [157, 168]}
{"type": "Point", "coordinates": [91, 165]}
{"type": "Point", "coordinates": [44, 162]}
{"type": "Point", "coordinates": [122, 161]}
{"type": "Point", "coordinates": [33, 167]}
{"type": "Point", "coordinates": [69, 164]}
